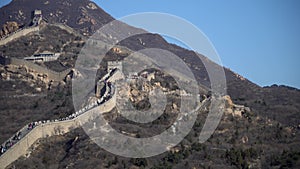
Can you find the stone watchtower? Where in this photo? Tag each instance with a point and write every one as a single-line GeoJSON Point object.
{"type": "Point", "coordinates": [114, 76]}
{"type": "Point", "coordinates": [37, 17]}
{"type": "Point", "coordinates": [99, 88]}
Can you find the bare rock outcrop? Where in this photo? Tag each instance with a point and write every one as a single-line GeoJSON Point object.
{"type": "Point", "coordinates": [8, 28]}
{"type": "Point", "coordinates": [234, 109]}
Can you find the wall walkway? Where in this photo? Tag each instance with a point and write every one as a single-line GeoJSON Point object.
{"type": "Point", "coordinates": [51, 129]}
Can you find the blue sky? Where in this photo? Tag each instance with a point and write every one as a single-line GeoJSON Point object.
{"type": "Point", "coordinates": [258, 39]}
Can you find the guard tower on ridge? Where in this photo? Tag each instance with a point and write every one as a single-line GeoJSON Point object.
{"type": "Point", "coordinates": [37, 17]}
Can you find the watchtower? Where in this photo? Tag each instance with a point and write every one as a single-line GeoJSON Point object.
{"type": "Point", "coordinates": [37, 17]}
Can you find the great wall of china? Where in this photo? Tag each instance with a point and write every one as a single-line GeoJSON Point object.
{"type": "Point", "coordinates": [50, 128]}
{"type": "Point", "coordinates": [66, 28]}
{"type": "Point", "coordinates": [18, 34]}
{"type": "Point", "coordinates": [52, 75]}
{"type": "Point", "coordinates": [53, 128]}
{"type": "Point", "coordinates": [47, 128]}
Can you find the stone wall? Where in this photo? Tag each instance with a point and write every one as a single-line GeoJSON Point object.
{"type": "Point", "coordinates": [18, 34]}
{"type": "Point", "coordinates": [25, 31]}
{"type": "Point", "coordinates": [41, 131]}
{"type": "Point", "coordinates": [51, 129]}
{"type": "Point", "coordinates": [56, 76]}
{"type": "Point", "coordinates": [66, 28]}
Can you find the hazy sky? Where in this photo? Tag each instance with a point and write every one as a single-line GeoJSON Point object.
{"type": "Point", "coordinates": [259, 39]}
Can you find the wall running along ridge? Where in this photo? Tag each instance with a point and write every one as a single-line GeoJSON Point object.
{"type": "Point", "coordinates": [18, 34]}
{"type": "Point", "coordinates": [56, 76]}
{"type": "Point", "coordinates": [22, 147]}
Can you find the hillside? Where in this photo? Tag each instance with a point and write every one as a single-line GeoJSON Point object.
{"type": "Point", "coordinates": [83, 15]}
{"type": "Point", "coordinates": [265, 137]}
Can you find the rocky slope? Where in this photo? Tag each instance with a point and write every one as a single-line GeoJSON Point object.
{"type": "Point", "coordinates": [8, 27]}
